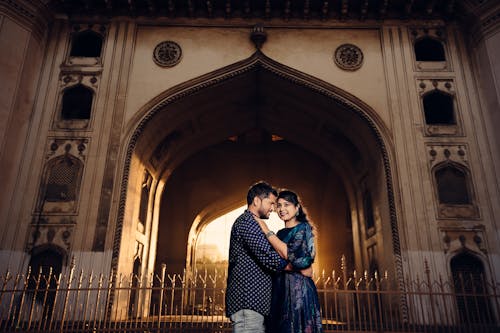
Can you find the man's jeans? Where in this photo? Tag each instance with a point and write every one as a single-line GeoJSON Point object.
{"type": "Point", "coordinates": [247, 321]}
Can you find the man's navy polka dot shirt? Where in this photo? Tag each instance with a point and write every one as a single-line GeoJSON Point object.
{"type": "Point", "coordinates": [252, 261]}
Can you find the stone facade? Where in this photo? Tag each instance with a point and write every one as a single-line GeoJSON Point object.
{"type": "Point", "coordinates": [184, 113]}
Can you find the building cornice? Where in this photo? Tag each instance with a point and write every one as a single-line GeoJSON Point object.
{"type": "Point", "coordinates": [265, 10]}
{"type": "Point", "coordinates": [34, 15]}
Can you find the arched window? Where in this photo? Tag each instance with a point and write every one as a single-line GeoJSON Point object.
{"type": "Point", "coordinates": [438, 108]}
{"type": "Point", "coordinates": [63, 179]}
{"type": "Point", "coordinates": [470, 288]}
{"type": "Point", "coordinates": [77, 103]}
{"type": "Point", "coordinates": [86, 44]}
{"type": "Point", "coordinates": [452, 186]}
{"type": "Point", "coordinates": [429, 49]}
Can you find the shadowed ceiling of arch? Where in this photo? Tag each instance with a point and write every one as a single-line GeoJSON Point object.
{"type": "Point", "coordinates": [248, 106]}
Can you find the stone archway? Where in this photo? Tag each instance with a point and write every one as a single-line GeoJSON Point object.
{"type": "Point", "coordinates": [207, 140]}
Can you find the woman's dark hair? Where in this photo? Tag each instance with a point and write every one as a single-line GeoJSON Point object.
{"type": "Point", "coordinates": [261, 190]}
{"type": "Point", "coordinates": [293, 198]}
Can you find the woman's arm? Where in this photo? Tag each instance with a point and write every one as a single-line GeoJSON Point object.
{"type": "Point", "coordinates": [275, 242]}
{"type": "Point", "coordinates": [282, 248]}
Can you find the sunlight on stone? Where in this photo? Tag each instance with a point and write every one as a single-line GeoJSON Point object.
{"type": "Point", "coordinates": [213, 241]}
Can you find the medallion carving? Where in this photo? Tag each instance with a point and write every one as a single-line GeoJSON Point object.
{"type": "Point", "coordinates": [348, 57]}
{"type": "Point", "coordinates": [167, 54]}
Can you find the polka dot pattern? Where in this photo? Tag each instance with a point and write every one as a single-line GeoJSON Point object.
{"type": "Point", "coordinates": [252, 261]}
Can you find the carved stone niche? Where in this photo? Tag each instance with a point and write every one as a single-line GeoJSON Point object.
{"type": "Point", "coordinates": [427, 86]}
{"type": "Point", "coordinates": [43, 234]}
{"type": "Point", "coordinates": [454, 156]}
{"type": "Point", "coordinates": [98, 33]}
{"type": "Point", "coordinates": [436, 34]}
{"type": "Point", "coordinates": [457, 239]}
{"type": "Point", "coordinates": [61, 178]}
{"type": "Point", "coordinates": [68, 81]}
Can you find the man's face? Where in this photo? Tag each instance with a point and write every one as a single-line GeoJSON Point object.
{"type": "Point", "coordinates": [267, 205]}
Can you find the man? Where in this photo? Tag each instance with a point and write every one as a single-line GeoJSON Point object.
{"type": "Point", "coordinates": [252, 260]}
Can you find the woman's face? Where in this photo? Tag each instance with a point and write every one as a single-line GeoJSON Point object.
{"type": "Point", "coordinates": [286, 210]}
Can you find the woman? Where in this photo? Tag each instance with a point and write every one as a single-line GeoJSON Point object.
{"type": "Point", "coordinates": [295, 305]}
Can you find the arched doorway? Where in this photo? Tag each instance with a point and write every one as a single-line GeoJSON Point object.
{"type": "Point", "coordinates": [206, 141]}
{"type": "Point", "coordinates": [470, 286]}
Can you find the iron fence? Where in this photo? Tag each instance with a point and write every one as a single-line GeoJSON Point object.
{"type": "Point", "coordinates": [194, 302]}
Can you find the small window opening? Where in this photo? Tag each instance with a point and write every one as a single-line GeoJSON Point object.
{"type": "Point", "coordinates": [438, 109]}
{"type": "Point", "coordinates": [452, 186]}
{"type": "Point", "coordinates": [86, 44]}
{"type": "Point", "coordinates": [77, 103]}
{"type": "Point", "coordinates": [428, 49]}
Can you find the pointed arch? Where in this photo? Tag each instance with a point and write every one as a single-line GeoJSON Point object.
{"type": "Point", "coordinates": [260, 64]}
{"type": "Point", "coordinates": [453, 184]}
{"type": "Point", "coordinates": [470, 286]}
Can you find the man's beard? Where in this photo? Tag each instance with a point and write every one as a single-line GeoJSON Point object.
{"type": "Point", "coordinates": [263, 215]}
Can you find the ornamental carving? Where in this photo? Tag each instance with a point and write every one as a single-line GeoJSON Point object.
{"type": "Point", "coordinates": [348, 57]}
{"type": "Point", "coordinates": [167, 54]}
{"type": "Point", "coordinates": [41, 234]}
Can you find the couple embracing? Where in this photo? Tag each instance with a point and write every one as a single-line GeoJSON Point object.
{"type": "Point", "coordinates": [269, 284]}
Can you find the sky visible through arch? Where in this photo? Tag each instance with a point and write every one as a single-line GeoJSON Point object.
{"type": "Point", "coordinates": [213, 241]}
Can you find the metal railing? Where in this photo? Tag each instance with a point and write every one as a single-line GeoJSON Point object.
{"type": "Point", "coordinates": [194, 302]}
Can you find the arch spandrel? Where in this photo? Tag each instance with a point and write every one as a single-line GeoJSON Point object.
{"type": "Point", "coordinates": [154, 118]}
{"type": "Point", "coordinates": [255, 96]}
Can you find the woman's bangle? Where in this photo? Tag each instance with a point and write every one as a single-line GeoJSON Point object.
{"type": "Point", "coordinates": [270, 233]}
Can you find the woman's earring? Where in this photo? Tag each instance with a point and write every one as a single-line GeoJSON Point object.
{"type": "Point", "coordinates": [297, 214]}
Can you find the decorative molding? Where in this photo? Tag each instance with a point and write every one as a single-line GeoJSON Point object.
{"type": "Point", "coordinates": [417, 33]}
{"type": "Point", "coordinates": [58, 146]}
{"type": "Point", "coordinates": [167, 54]}
{"type": "Point", "coordinates": [348, 57]}
{"type": "Point", "coordinates": [68, 78]}
{"type": "Point", "coordinates": [457, 239]}
{"type": "Point", "coordinates": [258, 36]}
{"type": "Point", "coordinates": [442, 153]}
{"type": "Point", "coordinates": [426, 85]}
{"type": "Point", "coordinates": [60, 235]}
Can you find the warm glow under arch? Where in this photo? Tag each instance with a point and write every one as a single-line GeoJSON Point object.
{"type": "Point", "coordinates": [211, 241]}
